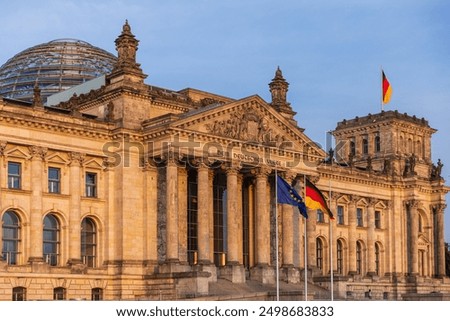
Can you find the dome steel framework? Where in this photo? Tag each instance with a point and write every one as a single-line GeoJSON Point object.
{"type": "Point", "coordinates": [53, 66]}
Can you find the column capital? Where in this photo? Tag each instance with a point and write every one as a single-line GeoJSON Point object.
{"type": "Point", "coordinates": [38, 152]}
{"type": "Point", "coordinates": [372, 201]}
{"type": "Point", "coordinates": [335, 196]}
{"type": "Point", "coordinates": [149, 164]}
{"type": "Point", "coordinates": [200, 162]}
{"type": "Point", "coordinates": [412, 203]}
{"type": "Point", "coordinates": [232, 167]}
{"type": "Point", "coordinates": [76, 158]}
{"type": "Point", "coordinates": [353, 199]}
{"type": "Point", "coordinates": [2, 147]}
{"type": "Point", "coordinates": [288, 176]}
{"type": "Point", "coordinates": [262, 171]}
{"type": "Point", "coordinates": [439, 208]}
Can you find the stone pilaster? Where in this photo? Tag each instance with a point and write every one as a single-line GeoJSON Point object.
{"type": "Point", "coordinates": [371, 237]}
{"type": "Point", "coordinates": [262, 272]}
{"type": "Point", "coordinates": [439, 232]}
{"type": "Point", "coordinates": [311, 224]}
{"type": "Point", "coordinates": [333, 231]}
{"type": "Point", "coordinates": [234, 269]}
{"type": "Point", "coordinates": [76, 163]}
{"type": "Point", "coordinates": [172, 210]}
{"type": "Point", "coordinates": [352, 236]}
{"type": "Point", "coordinates": [292, 274]}
{"type": "Point", "coordinates": [413, 222]}
{"type": "Point", "coordinates": [204, 214]}
{"type": "Point", "coordinates": [151, 209]}
{"type": "Point", "coordinates": [36, 228]}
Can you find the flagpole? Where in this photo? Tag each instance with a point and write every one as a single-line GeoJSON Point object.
{"type": "Point", "coordinates": [381, 75]}
{"type": "Point", "coordinates": [277, 272]}
{"type": "Point", "coordinates": [306, 248]}
{"type": "Point", "coordinates": [331, 247]}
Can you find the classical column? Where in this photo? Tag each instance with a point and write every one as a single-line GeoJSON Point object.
{"type": "Point", "coordinates": [371, 237]}
{"type": "Point", "coordinates": [333, 230]}
{"type": "Point", "coordinates": [36, 229]}
{"type": "Point", "coordinates": [311, 224]}
{"type": "Point", "coordinates": [413, 235]}
{"type": "Point", "coordinates": [234, 216]}
{"type": "Point", "coordinates": [151, 211]}
{"type": "Point", "coordinates": [204, 214]}
{"type": "Point", "coordinates": [262, 219]}
{"type": "Point", "coordinates": [182, 213]}
{"type": "Point", "coordinates": [172, 210]}
{"type": "Point", "coordinates": [76, 161]}
{"type": "Point", "coordinates": [440, 242]}
{"type": "Point", "coordinates": [352, 236]}
{"type": "Point", "coordinates": [287, 224]}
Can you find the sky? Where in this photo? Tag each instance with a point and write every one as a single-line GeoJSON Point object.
{"type": "Point", "coordinates": [330, 52]}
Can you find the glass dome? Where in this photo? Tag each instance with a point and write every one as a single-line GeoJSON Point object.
{"type": "Point", "coordinates": [53, 66]}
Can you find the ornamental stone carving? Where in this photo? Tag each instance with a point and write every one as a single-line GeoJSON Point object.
{"type": "Point", "coordinates": [247, 125]}
{"type": "Point", "coordinates": [38, 152]}
{"type": "Point", "coordinates": [76, 158]}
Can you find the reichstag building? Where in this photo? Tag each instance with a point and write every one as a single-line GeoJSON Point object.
{"type": "Point", "coordinates": [114, 189]}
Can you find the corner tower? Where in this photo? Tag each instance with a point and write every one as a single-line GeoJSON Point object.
{"type": "Point", "coordinates": [392, 142]}
{"type": "Point", "coordinates": [278, 88]}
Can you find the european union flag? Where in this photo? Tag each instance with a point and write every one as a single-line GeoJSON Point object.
{"type": "Point", "coordinates": [288, 195]}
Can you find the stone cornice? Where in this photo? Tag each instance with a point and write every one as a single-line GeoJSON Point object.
{"type": "Point", "coordinates": [64, 124]}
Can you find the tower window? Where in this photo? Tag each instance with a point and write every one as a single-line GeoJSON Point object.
{"type": "Point", "coordinates": [365, 145]}
{"type": "Point", "coordinates": [377, 143]}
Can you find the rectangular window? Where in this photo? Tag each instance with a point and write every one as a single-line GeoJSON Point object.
{"type": "Point", "coordinates": [377, 219]}
{"type": "Point", "coordinates": [54, 180]}
{"type": "Point", "coordinates": [359, 217]}
{"type": "Point", "coordinates": [91, 184]}
{"type": "Point", "coordinates": [14, 175]}
{"type": "Point", "coordinates": [320, 217]}
{"type": "Point", "coordinates": [340, 215]}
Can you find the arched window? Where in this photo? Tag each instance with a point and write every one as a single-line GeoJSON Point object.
{"type": "Point", "coordinates": [51, 239]}
{"type": "Point", "coordinates": [352, 146]}
{"type": "Point", "coordinates": [10, 237]}
{"type": "Point", "coordinates": [19, 294]}
{"type": "Point", "coordinates": [419, 148]}
{"type": "Point", "coordinates": [88, 242]}
{"type": "Point", "coordinates": [365, 145]}
{"type": "Point", "coordinates": [319, 253]}
{"type": "Point", "coordinates": [377, 143]}
{"type": "Point", "coordinates": [358, 258]}
{"type": "Point", "coordinates": [340, 257]}
{"type": "Point", "coordinates": [377, 258]}
{"type": "Point", "coordinates": [59, 294]}
{"type": "Point", "coordinates": [410, 146]}
{"type": "Point", "coordinates": [97, 294]}
{"type": "Point", "coordinates": [420, 223]}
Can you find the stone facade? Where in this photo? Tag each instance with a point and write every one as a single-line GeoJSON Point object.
{"type": "Point", "coordinates": [136, 192]}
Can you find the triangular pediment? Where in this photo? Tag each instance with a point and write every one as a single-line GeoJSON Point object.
{"type": "Point", "coordinates": [57, 159]}
{"type": "Point", "coordinates": [17, 152]}
{"type": "Point", "coordinates": [92, 163]}
{"type": "Point", "coordinates": [249, 121]}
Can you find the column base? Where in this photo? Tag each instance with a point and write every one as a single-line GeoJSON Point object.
{"type": "Point", "coordinates": [290, 274]}
{"type": "Point", "coordinates": [173, 266]}
{"type": "Point", "coordinates": [263, 273]}
{"type": "Point", "coordinates": [208, 266]}
{"type": "Point", "coordinates": [233, 272]}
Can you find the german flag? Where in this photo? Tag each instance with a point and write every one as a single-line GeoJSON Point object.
{"type": "Point", "coordinates": [387, 89]}
{"type": "Point", "coordinates": [314, 199]}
